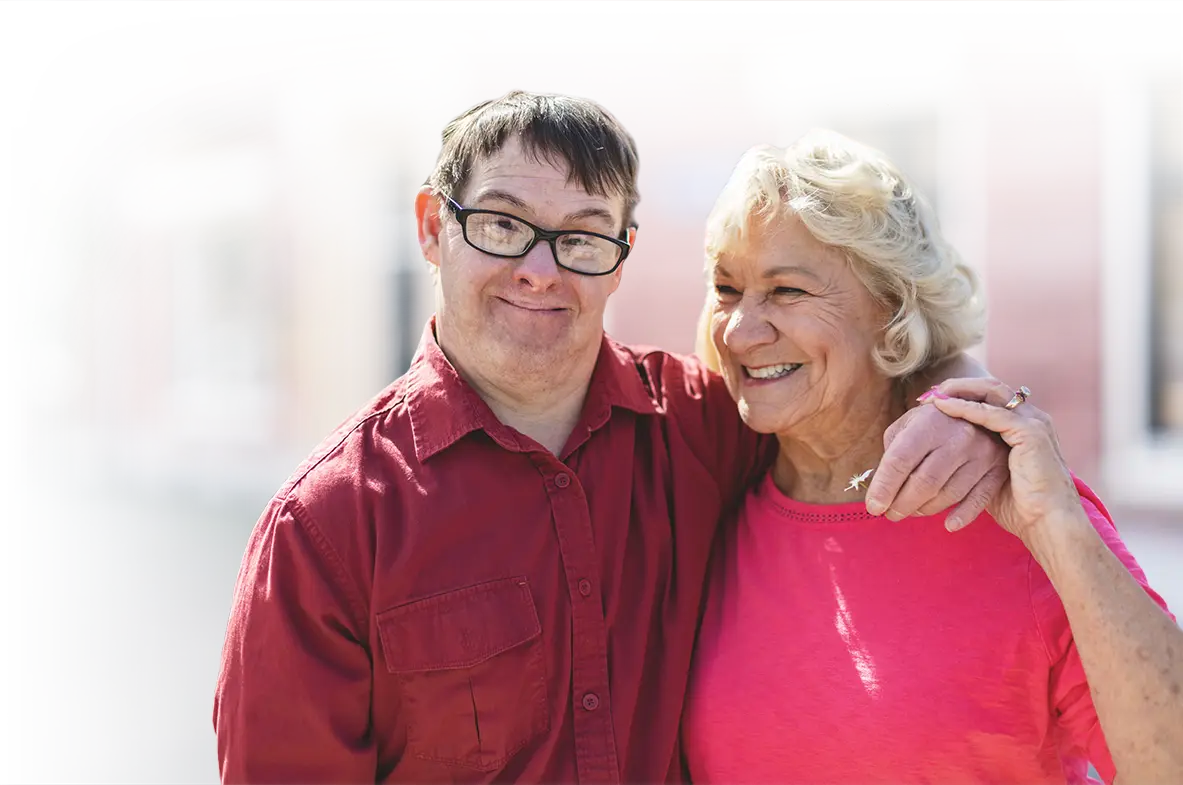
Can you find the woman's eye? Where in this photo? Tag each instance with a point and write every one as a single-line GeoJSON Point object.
{"type": "Point", "coordinates": [787, 290]}
{"type": "Point", "coordinates": [726, 291]}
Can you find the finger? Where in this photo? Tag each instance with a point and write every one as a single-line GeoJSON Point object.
{"type": "Point", "coordinates": [956, 489]}
{"type": "Point", "coordinates": [924, 484]}
{"type": "Point", "coordinates": [984, 389]}
{"type": "Point", "coordinates": [907, 449]}
{"type": "Point", "coordinates": [994, 418]}
{"type": "Point", "coordinates": [977, 499]}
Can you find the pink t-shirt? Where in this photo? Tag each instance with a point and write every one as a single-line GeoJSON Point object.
{"type": "Point", "coordinates": [838, 647]}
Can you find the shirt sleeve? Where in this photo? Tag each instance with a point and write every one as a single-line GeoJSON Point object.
{"type": "Point", "coordinates": [709, 417]}
{"type": "Point", "coordinates": [293, 695]}
{"type": "Point", "coordinates": [1078, 730]}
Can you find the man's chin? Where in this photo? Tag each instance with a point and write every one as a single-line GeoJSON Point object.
{"type": "Point", "coordinates": [531, 351]}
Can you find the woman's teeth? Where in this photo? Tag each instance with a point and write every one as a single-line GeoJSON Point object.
{"type": "Point", "coordinates": [771, 371]}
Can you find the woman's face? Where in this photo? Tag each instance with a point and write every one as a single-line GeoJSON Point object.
{"type": "Point", "coordinates": [795, 330]}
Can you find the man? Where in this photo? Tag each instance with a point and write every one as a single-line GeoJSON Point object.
{"type": "Point", "coordinates": [494, 571]}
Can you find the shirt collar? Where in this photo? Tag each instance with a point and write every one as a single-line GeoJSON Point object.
{"type": "Point", "coordinates": [443, 408]}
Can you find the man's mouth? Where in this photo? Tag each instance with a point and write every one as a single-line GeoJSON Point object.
{"type": "Point", "coordinates": [767, 372]}
{"type": "Point", "coordinates": [531, 306]}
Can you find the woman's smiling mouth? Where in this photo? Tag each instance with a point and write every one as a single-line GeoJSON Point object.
{"type": "Point", "coordinates": [769, 372]}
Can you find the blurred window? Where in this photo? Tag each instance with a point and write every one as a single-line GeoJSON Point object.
{"type": "Point", "coordinates": [1166, 225]}
{"type": "Point", "coordinates": [910, 140]}
{"type": "Point", "coordinates": [406, 267]}
{"type": "Point", "coordinates": [221, 331]}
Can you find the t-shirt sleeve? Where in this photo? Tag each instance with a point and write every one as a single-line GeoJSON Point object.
{"type": "Point", "coordinates": [1075, 718]}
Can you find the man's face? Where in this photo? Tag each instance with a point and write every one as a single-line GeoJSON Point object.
{"type": "Point", "coordinates": [503, 318]}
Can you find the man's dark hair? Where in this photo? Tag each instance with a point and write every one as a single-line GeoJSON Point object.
{"type": "Point", "coordinates": [600, 155]}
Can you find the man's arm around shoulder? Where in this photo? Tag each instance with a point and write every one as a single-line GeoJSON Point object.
{"type": "Point", "coordinates": [708, 416]}
{"type": "Point", "coordinates": [293, 694]}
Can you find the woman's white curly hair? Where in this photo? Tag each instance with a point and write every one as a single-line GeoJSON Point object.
{"type": "Point", "coordinates": [853, 198]}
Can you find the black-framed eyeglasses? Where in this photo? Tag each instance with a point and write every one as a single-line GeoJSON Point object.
{"type": "Point", "coordinates": [505, 235]}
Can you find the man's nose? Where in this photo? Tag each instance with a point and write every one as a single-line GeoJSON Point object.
{"type": "Point", "coordinates": [538, 268]}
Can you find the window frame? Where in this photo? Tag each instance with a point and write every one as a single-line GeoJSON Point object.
{"type": "Point", "coordinates": [1140, 467]}
{"type": "Point", "coordinates": [1165, 185]}
{"type": "Point", "coordinates": [213, 403]}
{"type": "Point", "coordinates": [405, 267]}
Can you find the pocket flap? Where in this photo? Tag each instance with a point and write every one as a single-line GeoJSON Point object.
{"type": "Point", "coordinates": [460, 628]}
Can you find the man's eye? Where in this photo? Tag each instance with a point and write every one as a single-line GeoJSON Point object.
{"type": "Point", "coordinates": [787, 290]}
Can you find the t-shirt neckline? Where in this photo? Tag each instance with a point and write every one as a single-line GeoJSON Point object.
{"type": "Point", "coordinates": [805, 512]}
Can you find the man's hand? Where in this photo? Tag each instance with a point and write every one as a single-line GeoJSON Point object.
{"type": "Point", "coordinates": [931, 462]}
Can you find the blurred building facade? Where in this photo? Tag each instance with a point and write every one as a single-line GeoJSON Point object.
{"type": "Point", "coordinates": [189, 228]}
{"type": "Point", "coordinates": [258, 278]}
{"type": "Point", "coordinates": [258, 282]}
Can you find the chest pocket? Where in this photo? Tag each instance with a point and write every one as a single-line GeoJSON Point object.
{"type": "Point", "coordinates": [471, 671]}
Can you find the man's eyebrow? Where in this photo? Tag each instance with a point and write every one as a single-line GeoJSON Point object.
{"type": "Point", "coordinates": [590, 212]}
{"type": "Point", "coordinates": [502, 196]}
{"type": "Point", "coordinates": [517, 202]}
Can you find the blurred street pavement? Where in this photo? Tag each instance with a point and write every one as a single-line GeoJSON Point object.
{"type": "Point", "coordinates": [116, 611]}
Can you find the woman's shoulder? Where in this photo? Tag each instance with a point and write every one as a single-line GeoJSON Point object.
{"type": "Point", "coordinates": [1046, 601]}
{"type": "Point", "coordinates": [1103, 522]}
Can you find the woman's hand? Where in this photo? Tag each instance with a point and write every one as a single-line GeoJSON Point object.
{"type": "Point", "coordinates": [1040, 486]}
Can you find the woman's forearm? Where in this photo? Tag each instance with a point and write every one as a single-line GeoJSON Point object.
{"type": "Point", "coordinates": [1131, 650]}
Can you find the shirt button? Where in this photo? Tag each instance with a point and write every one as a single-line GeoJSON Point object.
{"type": "Point", "coordinates": [591, 701]}
{"type": "Point", "coordinates": [562, 480]}
{"type": "Point", "coordinates": [585, 587]}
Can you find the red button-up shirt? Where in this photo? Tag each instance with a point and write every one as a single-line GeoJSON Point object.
{"type": "Point", "coordinates": [434, 597]}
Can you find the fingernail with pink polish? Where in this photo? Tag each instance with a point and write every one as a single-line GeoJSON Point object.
{"type": "Point", "coordinates": [932, 392]}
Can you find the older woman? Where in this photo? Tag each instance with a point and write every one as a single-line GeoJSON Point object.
{"type": "Point", "coordinates": [842, 647]}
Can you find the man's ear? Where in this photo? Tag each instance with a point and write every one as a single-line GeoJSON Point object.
{"type": "Point", "coordinates": [631, 237]}
{"type": "Point", "coordinates": [427, 219]}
